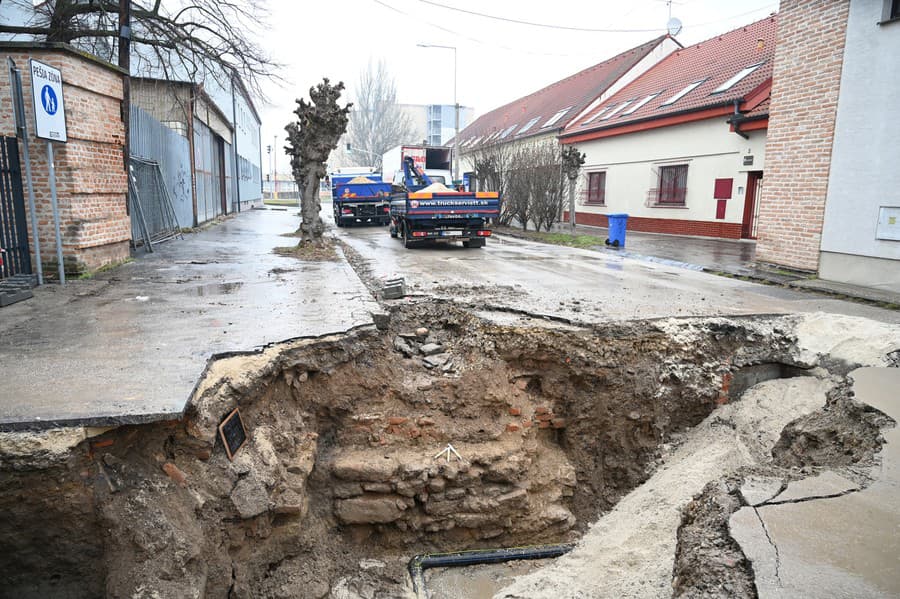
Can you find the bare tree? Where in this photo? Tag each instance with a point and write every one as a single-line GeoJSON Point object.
{"type": "Point", "coordinates": [192, 39]}
{"type": "Point", "coordinates": [377, 122]}
{"type": "Point", "coordinates": [317, 131]}
{"type": "Point", "coordinates": [492, 164]}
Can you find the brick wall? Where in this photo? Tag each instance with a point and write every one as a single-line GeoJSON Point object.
{"type": "Point", "coordinates": [91, 181]}
{"type": "Point", "coordinates": [671, 226]}
{"type": "Point", "coordinates": [806, 82]}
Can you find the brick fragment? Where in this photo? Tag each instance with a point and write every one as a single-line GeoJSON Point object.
{"type": "Point", "coordinates": [175, 473]}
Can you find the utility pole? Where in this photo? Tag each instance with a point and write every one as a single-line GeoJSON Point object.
{"type": "Point", "coordinates": [275, 165]}
{"type": "Point", "coordinates": [125, 64]}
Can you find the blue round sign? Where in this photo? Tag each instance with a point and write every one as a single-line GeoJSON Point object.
{"type": "Point", "coordinates": [48, 100]}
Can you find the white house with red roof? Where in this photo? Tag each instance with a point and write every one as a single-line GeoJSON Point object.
{"type": "Point", "coordinates": [542, 115]}
{"type": "Point", "coordinates": [681, 148]}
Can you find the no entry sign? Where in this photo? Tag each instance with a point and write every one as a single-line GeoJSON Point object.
{"type": "Point", "coordinates": [49, 109]}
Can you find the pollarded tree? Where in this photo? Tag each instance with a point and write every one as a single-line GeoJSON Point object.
{"type": "Point", "coordinates": [316, 132]}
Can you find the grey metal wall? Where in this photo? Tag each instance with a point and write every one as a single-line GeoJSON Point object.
{"type": "Point", "coordinates": [151, 140]}
{"type": "Point", "coordinates": [208, 172]}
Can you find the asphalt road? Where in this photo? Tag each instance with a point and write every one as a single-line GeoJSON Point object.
{"type": "Point", "coordinates": [579, 284]}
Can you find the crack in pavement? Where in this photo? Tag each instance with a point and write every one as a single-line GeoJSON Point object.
{"type": "Point", "coordinates": [772, 543]}
{"type": "Point", "coordinates": [805, 499]}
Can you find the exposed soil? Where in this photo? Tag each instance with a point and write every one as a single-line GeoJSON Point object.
{"type": "Point", "coordinates": [342, 481]}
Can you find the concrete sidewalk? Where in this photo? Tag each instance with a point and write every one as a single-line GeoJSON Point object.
{"type": "Point", "coordinates": [129, 345]}
{"type": "Point", "coordinates": [725, 256]}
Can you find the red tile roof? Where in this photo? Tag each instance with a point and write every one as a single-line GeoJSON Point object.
{"type": "Point", "coordinates": [576, 91]}
{"type": "Point", "coordinates": [713, 62]}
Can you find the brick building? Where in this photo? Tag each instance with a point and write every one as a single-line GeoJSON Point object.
{"type": "Point", "coordinates": [91, 180]}
{"type": "Point", "coordinates": [830, 204]}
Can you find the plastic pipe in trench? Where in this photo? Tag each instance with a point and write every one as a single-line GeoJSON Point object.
{"type": "Point", "coordinates": [420, 563]}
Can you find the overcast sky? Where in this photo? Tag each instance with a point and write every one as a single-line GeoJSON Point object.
{"type": "Point", "coordinates": [497, 61]}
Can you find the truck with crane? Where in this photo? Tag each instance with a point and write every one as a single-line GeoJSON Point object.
{"type": "Point", "coordinates": [424, 210]}
{"type": "Point", "coordinates": [435, 161]}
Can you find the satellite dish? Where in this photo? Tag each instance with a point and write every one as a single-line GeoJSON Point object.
{"type": "Point", "coordinates": [674, 26]}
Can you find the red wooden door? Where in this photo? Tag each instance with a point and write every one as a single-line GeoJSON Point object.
{"type": "Point", "coordinates": [751, 205]}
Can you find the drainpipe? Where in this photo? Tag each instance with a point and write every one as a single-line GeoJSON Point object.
{"type": "Point", "coordinates": [235, 170]}
{"type": "Point", "coordinates": [736, 119]}
{"type": "Point", "coordinates": [420, 563]}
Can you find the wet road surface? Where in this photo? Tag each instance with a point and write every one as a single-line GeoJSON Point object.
{"type": "Point", "coordinates": [578, 284]}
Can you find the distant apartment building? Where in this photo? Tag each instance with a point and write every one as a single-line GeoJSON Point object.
{"type": "Point", "coordinates": [435, 124]}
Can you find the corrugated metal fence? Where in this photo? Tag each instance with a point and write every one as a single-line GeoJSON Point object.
{"type": "Point", "coordinates": [150, 140]}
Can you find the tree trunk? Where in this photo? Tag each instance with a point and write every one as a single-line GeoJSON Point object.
{"type": "Point", "coordinates": [311, 225]}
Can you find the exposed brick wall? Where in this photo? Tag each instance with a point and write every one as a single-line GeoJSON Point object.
{"type": "Point", "coordinates": [671, 226]}
{"type": "Point", "coordinates": [806, 82]}
{"type": "Point", "coordinates": [91, 181]}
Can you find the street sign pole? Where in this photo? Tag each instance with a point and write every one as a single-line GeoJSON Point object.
{"type": "Point", "coordinates": [50, 124]}
{"type": "Point", "coordinates": [55, 204]}
{"type": "Point", "coordinates": [15, 76]}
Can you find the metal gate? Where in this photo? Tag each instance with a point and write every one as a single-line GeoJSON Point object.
{"type": "Point", "coordinates": [13, 232]}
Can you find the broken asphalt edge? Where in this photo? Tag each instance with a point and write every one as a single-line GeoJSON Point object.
{"type": "Point", "coordinates": [118, 419]}
{"type": "Point", "coordinates": [104, 420]}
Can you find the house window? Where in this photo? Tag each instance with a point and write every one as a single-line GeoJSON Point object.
{"type": "Point", "coordinates": [596, 192]}
{"type": "Point", "coordinates": [672, 189]}
{"type": "Point", "coordinates": [556, 117]}
{"type": "Point", "coordinates": [687, 89]}
{"type": "Point", "coordinates": [891, 10]}
{"type": "Point", "coordinates": [736, 78]}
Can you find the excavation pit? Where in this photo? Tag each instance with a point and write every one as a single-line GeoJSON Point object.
{"type": "Point", "coordinates": [348, 469]}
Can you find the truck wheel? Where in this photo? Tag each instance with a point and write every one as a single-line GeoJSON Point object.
{"type": "Point", "coordinates": [474, 243]}
{"type": "Point", "coordinates": [407, 240]}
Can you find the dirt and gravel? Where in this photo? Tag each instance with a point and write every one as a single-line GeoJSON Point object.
{"type": "Point", "coordinates": [629, 438]}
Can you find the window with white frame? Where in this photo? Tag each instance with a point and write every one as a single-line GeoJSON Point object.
{"type": "Point", "coordinates": [736, 78]}
{"type": "Point", "coordinates": [596, 189]}
{"type": "Point", "coordinates": [687, 89]}
{"type": "Point", "coordinates": [553, 119]}
{"type": "Point", "coordinates": [672, 187]}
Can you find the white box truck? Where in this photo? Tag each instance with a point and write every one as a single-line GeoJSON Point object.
{"type": "Point", "coordinates": [436, 161]}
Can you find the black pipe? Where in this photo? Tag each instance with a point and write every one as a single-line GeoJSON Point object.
{"type": "Point", "coordinates": [736, 119]}
{"type": "Point", "coordinates": [420, 563]}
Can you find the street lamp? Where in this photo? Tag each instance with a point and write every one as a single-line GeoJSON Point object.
{"type": "Point", "coordinates": [455, 106]}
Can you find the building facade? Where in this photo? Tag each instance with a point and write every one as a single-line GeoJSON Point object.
{"type": "Point", "coordinates": [831, 204]}
{"type": "Point", "coordinates": [681, 148]}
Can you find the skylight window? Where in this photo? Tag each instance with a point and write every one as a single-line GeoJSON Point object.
{"type": "Point", "coordinates": [528, 125]}
{"type": "Point", "coordinates": [690, 87]}
{"type": "Point", "coordinates": [556, 117]}
{"type": "Point", "coordinates": [508, 130]}
{"type": "Point", "coordinates": [617, 109]}
{"type": "Point", "coordinates": [637, 106]}
{"type": "Point", "coordinates": [597, 116]}
{"type": "Point", "coordinates": [734, 80]}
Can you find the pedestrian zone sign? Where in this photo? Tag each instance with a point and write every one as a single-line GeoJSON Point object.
{"type": "Point", "coordinates": [49, 110]}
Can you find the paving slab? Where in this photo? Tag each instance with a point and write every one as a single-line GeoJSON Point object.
{"type": "Point", "coordinates": [838, 547]}
{"type": "Point", "coordinates": [130, 345]}
{"type": "Point", "coordinates": [827, 484]}
{"type": "Point", "coordinates": [757, 490]}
